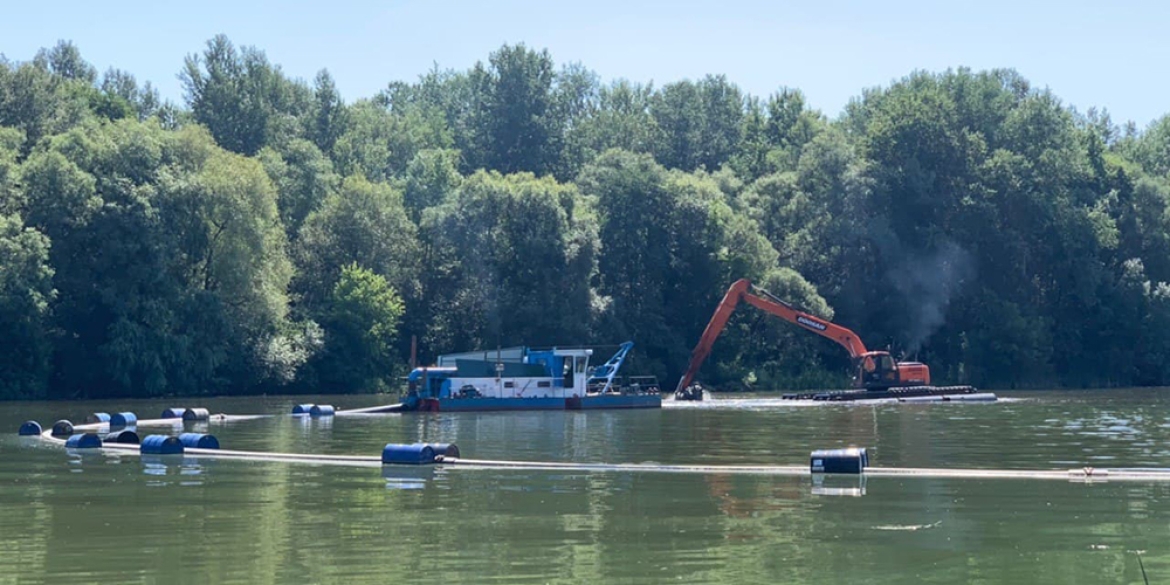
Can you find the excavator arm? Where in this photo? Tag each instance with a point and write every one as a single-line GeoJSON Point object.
{"type": "Point", "coordinates": [743, 290]}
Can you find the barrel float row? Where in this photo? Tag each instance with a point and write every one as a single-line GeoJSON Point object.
{"type": "Point", "coordinates": [186, 413]}
{"type": "Point", "coordinates": [852, 460]}
{"type": "Point", "coordinates": [417, 453]}
{"type": "Point", "coordinates": [313, 410]}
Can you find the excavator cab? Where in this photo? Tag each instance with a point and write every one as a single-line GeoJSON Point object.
{"type": "Point", "coordinates": [877, 370]}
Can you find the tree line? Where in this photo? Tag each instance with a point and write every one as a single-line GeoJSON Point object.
{"type": "Point", "coordinates": [267, 235]}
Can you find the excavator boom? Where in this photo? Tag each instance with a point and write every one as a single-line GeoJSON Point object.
{"type": "Point", "coordinates": [742, 290]}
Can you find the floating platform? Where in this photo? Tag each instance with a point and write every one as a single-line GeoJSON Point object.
{"type": "Point", "coordinates": [905, 394]}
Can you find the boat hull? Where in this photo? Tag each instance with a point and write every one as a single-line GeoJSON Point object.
{"type": "Point", "coordinates": [489, 404]}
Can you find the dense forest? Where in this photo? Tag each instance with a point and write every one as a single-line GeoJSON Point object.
{"type": "Point", "coordinates": [268, 235]}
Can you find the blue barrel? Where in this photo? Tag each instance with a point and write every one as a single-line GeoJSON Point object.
{"type": "Point", "coordinates": [162, 445]}
{"type": "Point", "coordinates": [30, 428]}
{"type": "Point", "coordinates": [97, 417]}
{"type": "Point", "coordinates": [321, 410]}
{"type": "Point", "coordinates": [196, 414]}
{"type": "Point", "coordinates": [416, 454]}
{"type": "Point", "coordinates": [445, 449]}
{"type": "Point", "coordinates": [302, 408]}
{"type": "Point", "coordinates": [199, 441]}
{"type": "Point", "coordinates": [123, 419]}
{"type": "Point", "coordinates": [173, 412]}
{"type": "Point", "coordinates": [86, 441]}
{"type": "Point", "coordinates": [62, 428]}
{"type": "Point", "coordinates": [123, 437]}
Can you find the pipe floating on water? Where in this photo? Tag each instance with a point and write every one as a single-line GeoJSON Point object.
{"type": "Point", "coordinates": [415, 454]}
{"type": "Point", "coordinates": [85, 441]}
{"type": "Point", "coordinates": [122, 437]}
{"type": "Point", "coordinates": [198, 441]}
{"type": "Point", "coordinates": [319, 410]}
{"type": "Point", "coordinates": [196, 414]}
{"type": "Point", "coordinates": [173, 412]}
{"type": "Point", "coordinates": [302, 409]}
{"type": "Point", "coordinates": [161, 445]}
{"type": "Point", "coordinates": [97, 418]}
{"type": "Point", "coordinates": [29, 428]}
{"type": "Point", "coordinates": [123, 419]}
{"type": "Point", "coordinates": [62, 428]}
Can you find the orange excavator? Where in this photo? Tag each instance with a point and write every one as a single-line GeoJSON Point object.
{"type": "Point", "coordinates": [877, 372]}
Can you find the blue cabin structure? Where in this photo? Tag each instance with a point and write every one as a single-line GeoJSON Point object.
{"type": "Point", "coordinates": [520, 378]}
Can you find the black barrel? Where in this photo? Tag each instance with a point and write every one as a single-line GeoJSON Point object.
{"type": "Point", "coordinates": [30, 428]}
{"type": "Point", "coordinates": [302, 408]}
{"type": "Point", "coordinates": [448, 450]}
{"type": "Point", "coordinates": [196, 414]}
{"type": "Point", "coordinates": [124, 437]}
{"type": "Point", "coordinates": [62, 428]}
{"type": "Point", "coordinates": [852, 460]}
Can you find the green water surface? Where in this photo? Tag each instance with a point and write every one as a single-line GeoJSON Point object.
{"type": "Point", "coordinates": [102, 518]}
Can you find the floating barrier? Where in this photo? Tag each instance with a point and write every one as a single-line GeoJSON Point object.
{"type": "Point", "coordinates": [97, 418]}
{"type": "Point", "coordinates": [852, 460]}
{"type": "Point", "coordinates": [383, 409]}
{"type": "Point", "coordinates": [196, 414]}
{"type": "Point", "coordinates": [162, 445]}
{"type": "Point", "coordinates": [62, 428]}
{"type": "Point", "coordinates": [85, 441]}
{"type": "Point", "coordinates": [321, 410]}
{"type": "Point", "coordinates": [302, 408]}
{"type": "Point", "coordinates": [123, 419]}
{"type": "Point", "coordinates": [447, 450]}
{"type": "Point", "coordinates": [416, 454]}
{"type": "Point", "coordinates": [122, 437]}
{"type": "Point", "coordinates": [173, 412]}
{"type": "Point", "coordinates": [198, 441]}
{"type": "Point", "coordinates": [29, 428]}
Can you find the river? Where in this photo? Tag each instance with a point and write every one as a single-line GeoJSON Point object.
{"type": "Point", "coordinates": [67, 518]}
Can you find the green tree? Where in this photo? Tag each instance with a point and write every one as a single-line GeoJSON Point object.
{"type": "Point", "coordinates": [363, 223]}
{"type": "Point", "coordinates": [244, 100]}
{"type": "Point", "coordinates": [360, 325]}
{"type": "Point", "coordinates": [26, 290]}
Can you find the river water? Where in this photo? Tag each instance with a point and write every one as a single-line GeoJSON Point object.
{"type": "Point", "coordinates": [66, 518]}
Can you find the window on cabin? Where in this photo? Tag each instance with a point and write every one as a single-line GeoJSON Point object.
{"type": "Point", "coordinates": [568, 372]}
{"type": "Point", "coordinates": [545, 384]}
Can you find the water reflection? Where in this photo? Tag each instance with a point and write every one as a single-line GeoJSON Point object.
{"type": "Point", "coordinates": [260, 522]}
{"type": "Point", "coordinates": [402, 477]}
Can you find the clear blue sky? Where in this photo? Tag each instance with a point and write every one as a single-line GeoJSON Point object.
{"type": "Point", "coordinates": [1106, 54]}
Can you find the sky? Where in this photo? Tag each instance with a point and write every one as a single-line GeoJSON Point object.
{"type": "Point", "coordinates": [1110, 55]}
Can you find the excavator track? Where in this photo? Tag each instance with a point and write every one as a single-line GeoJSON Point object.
{"type": "Point", "coordinates": [901, 392]}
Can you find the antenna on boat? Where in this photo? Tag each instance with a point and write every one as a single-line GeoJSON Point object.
{"type": "Point", "coordinates": [413, 352]}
